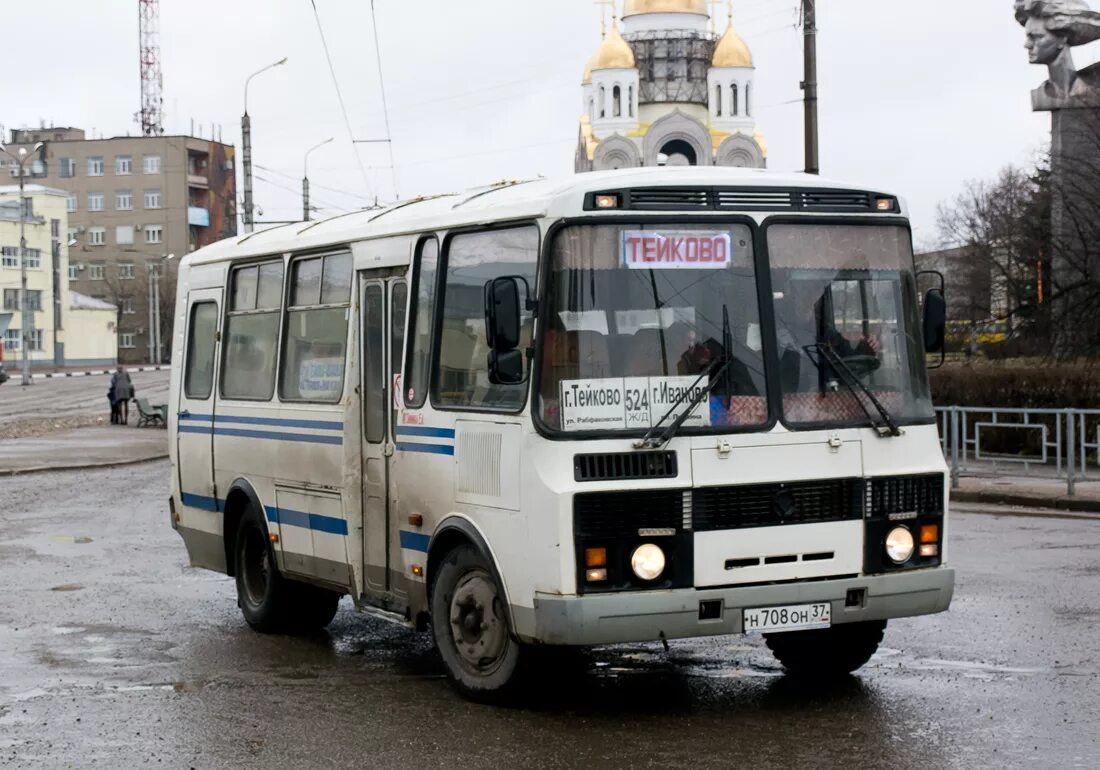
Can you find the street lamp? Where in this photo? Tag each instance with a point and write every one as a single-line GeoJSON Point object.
{"type": "Point", "coordinates": [305, 179]}
{"type": "Point", "coordinates": [27, 315]}
{"type": "Point", "coordinates": [246, 147]}
{"type": "Point", "coordinates": [156, 344]}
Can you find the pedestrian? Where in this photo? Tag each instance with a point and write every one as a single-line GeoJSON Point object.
{"type": "Point", "coordinates": [114, 404]}
{"type": "Point", "coordinates": [124, 391]}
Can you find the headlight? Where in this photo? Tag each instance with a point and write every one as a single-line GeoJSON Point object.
{"type": "Point", "coordinates": [899, 545]}
{"type": "Point", "coordinates": [648, 561]}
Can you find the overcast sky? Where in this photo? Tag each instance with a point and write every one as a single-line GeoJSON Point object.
{"type": "Point", "coordinates": [916, 97]}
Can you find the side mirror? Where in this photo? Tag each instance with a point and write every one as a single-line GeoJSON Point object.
{"type": "Point", "coordinates": [503, 317]}
{"type": "Point", "coordinates": [935, 321]}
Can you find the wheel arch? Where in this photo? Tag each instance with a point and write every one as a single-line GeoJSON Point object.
{"type": "Point", "coordinates": [454, 531]}
{"type": "Point", "coordinates": [241, 495]}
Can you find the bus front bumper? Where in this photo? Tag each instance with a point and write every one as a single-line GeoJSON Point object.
{"type": "Point", "coordinates": [648, 616]}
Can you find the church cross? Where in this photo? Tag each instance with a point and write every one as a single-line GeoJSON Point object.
{"type": "Point", "coordinates": [603, 14]}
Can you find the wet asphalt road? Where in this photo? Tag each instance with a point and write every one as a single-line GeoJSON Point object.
{"type": "Point", "coordinates": [113, 653]}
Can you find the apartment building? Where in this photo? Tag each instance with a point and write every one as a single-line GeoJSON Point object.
{"type": "Point", "coordinates": [44, 223]}
{"type": "Point", "coordinates": [135, 206]}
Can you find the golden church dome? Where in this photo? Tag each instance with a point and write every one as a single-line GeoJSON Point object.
{"type": "Point", "coordinates": [635, 7]}
{"type": "Point", "coordinates": [614, 53]}
{"type": "Point", "coordinates": [731, 50]}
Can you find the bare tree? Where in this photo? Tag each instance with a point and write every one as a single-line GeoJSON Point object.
{"type": "Point", "coordinates": [997, 236]}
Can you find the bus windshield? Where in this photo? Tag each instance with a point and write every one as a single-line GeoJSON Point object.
{"type": "Point", "coordinates": [636, 313]}
{"type": "Point", "coordinates": [845, 302]}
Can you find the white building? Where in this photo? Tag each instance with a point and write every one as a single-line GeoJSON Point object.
{"type": "Point", "coordinates": [667, 90]}
{"type": "Point", "coordinates": [66, 329]}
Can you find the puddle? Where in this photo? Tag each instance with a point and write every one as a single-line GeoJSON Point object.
{"type": "Point", "coordinates": [68, 587]}
{"type": "Point", "coordinates": [21, 697]}
{"type": "Point", "coordinates": [72, 539]}
{"type": "Point", "coordinates": [65, 630]}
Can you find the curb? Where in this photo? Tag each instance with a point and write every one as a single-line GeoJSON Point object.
{"type": "Point", "coordinates": [97, 372]}
{"type": "Point", "coordinates": [84, 467]}
{"type": "Point", "coordinates": [1027, 501]}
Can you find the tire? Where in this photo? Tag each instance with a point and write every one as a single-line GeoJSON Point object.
{"type": "Point", "coordinates": [827, 653]}
{"type": "Point", "coordinates": [270, 603]}
{"type": "Point", "coordinates": [470, 626]}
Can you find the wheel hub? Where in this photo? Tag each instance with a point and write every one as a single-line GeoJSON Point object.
{"type": "Point", "coordinates": [477, 622]}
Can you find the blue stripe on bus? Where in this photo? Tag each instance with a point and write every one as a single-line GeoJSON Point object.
{"type": "Point", "coordinates": [300, 437]}
{"type": "Point", "coordinates": [432, 449]}
{"type": "Point", "coordinates": [201, 502]}
{"type": "Point", "coordinates": [405, 430]}
{"type": "Point", "coordinates": [241, 433]}
{"type": "Point", "coordinates": [414, 541]}
{"type": "Point", "coordinates": [313, 521]}
{"type": "Point", "coordinates": [276, 422]}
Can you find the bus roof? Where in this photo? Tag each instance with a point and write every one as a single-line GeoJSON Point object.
{"type": "Point", "coordinates": [503, 201]}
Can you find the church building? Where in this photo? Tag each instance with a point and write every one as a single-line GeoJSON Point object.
{"type": "Point", "coordinates": [667, 90]}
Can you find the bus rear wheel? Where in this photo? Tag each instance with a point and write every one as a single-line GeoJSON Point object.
{"type": "Point", "coordinates": [828, 652]}
{"type": "Point", "coordinates": [270, 603]}
{"type": "Point", "coordinates": [470, 625]}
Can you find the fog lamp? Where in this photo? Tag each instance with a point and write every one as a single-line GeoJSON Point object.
{"type": "Point", "coordinates": [595, 575]}
{"type": "Point", "coordinates": [899, 545]}
{"type": "Point", "coordinates": [648, 561]}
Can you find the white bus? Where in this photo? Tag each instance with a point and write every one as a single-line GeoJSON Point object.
{"type": "Point", "coordinates": [636, 405]}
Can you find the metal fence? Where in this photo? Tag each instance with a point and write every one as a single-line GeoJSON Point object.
{"type": "Point", "coordinates": [1052, 443]}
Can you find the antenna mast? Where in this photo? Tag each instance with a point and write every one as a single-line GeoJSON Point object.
{"type": "Point", "coordinates": [152, 81]}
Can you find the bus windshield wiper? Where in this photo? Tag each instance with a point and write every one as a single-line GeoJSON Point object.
{"type": "Point", "coordinates": [714, 371]}
{"type": "Point", "coordinates": [852, 382]}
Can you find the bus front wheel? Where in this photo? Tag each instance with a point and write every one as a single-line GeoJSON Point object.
{"type": "Point", "coordinates": [270, 603]}
{"type": "Point", "coordinates": [827, 652]}
{"type": "Point", "coordinates": [470, 626]}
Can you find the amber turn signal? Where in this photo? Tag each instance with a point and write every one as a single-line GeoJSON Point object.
{"type": "Point", "coordinates": [417, 570]}
{"type": "Point", "coordinates": [595, 557]}
{"type": "Point", "coordinates": [930, 533]}
{"type": "Point", "coordinates": [274, 538]}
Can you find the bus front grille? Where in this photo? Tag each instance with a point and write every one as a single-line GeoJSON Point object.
{"type": "Point", "coordinates": [623, 514]}
{"type": "Point", "coordinates": [770, 505]}
{"type": "Point", "coordinates": [624, 465]}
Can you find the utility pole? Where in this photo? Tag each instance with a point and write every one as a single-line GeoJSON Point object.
{"type": "Point", "coordinates": [809, 84]}
{"type": "Point", "coordinates": [156, 318]}
{"type": "Point", "coordinates": [26, 314]}
{"type": "Point", "coordinates": [246, 154]}
{"type": "Point", "coordinates": [152, 336]}
{"type": "Point", "coordinates": [24, 304]}
{"type": "Point", "coordinates": [305, 180]}
{"type": "Point", "coordinates": [246, 150]}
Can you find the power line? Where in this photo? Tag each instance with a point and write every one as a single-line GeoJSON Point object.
{"type": "Point", "coordinates": [340, 97]}
{"type": "Point", "coordinates": [385, 109]}
{"type": "Point", "coordinates": [324, 204]}
{"type": "Point", "coordinates": [313, 184]}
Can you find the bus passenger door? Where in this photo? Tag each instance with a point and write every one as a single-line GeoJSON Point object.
{"type": "Point", "coordinates": [195, 412]}
{"type": "Point", "coordinates": [382, 318]}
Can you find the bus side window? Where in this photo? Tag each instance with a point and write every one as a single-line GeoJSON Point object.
{"type": "Point", "coordinates": [252, 332]}
{"type": "Point", "coordinates": [473, 259]}
{"type": "Point", "coordinates": [199, 378]}
{"type": "Point", "coordinates": [316, 332]}
{"type": "Point", "coordinates": [422, 315]}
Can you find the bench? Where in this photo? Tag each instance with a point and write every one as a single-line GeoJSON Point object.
{"type": "Point", "coordinates": [151, 415]}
